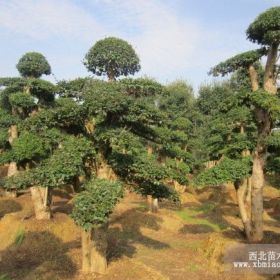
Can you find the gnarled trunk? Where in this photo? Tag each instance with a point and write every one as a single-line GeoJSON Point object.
{"type": "Point", "coordinates": [269, 75]}
{"type": "Point", "coordinates": [42, 198]}
{"type": "Point", "coordinates": [264, 127]}
{"type": "Point", "coordinates": [94, 247]}
{"type": "Point", "coordinates": [241, 190]}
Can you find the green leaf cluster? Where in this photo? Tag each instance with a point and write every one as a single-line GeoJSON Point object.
{"type": "Point", "coordinates": [93, 206]}
{"type": "Point", "coordinates": [228, 170]}
{"type": "Point", "coordinates": [33, 64]}
{"type": "Point", "coordinates": [265, 29]}
{"type": "Point", "coordinates": [112, 57]}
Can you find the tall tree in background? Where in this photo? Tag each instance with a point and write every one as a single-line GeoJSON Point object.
{"type": "Point", "coordinates": [265, 30]}
{"type": "Point", "coordinates": [112, 57]}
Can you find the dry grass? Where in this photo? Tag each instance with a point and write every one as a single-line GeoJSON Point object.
{"type": "Point", "coordinates": [173, 244]}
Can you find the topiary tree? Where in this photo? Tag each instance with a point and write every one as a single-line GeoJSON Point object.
{"type": "Point", "coordinates": [49, 143]}
{"type": "Point", "coordinates": [18, 97]}
{"type": "Point", "coordinates": [265, 30]}
{"type": "Point", "coordinates": [33, 65]}
{"type": "Point", "coordinates": [125, 125]}
{"type": "Point", "coordinates": [112, 57]}
{"type": "Point", "coordinates": [92, 208]}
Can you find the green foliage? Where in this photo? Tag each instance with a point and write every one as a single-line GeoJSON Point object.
{"type": "Point", "coordinates": [240, 80]}
{"type": "Point", "coordinates": [243, 60]}
{"type": "Point", "coordinates": [66, 114]}
{"type": "Point", "coordinates": [265, 29]}
{"type": "Point", "coordinates": [3, 138]}
{"type": "Point", "coordinates": [93, 206]}
{"type": "Point", "coordinates": [69, 114]}
{"type": "Point", "coordinates": [67, 162]}
{"type": "Point", "coordinates": [20, 181]}
{"type": "Point", "coordinates": [228, 170]}
{"type": "Point", "coordinates": [273, 159]}
{"type": "Point", "coordinates": [29, 146]}
{"type": "Point", "coordinates": [273, 141]}
{"type": "Point", "coordinates": [4, 277]}
{"type": "Point", "coordinates": [182, 93]}
{"type": "Point", "coordinates": [41, 121]}
{"type": "Point", "coordinates": [266, 101]}
{"type": "Point", "coordinates": [72, 88]}
{"type": "Point", "coordinates": [42, 89]}
{"type": "Point", "coordinates": [112, 57]}
{"type": "Point", "coordinates": [142, 87]}
{"type": "Point", "coordinates": [177, 170]}
{"type": "Point", "coordinates": [33, 64]}
{"type": "Point", "coordinates": [22, 100]}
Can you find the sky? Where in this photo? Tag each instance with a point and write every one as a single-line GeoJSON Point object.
{"type": "Point", "coordinates": [175, 39]}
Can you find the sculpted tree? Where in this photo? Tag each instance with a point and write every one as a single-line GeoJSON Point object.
{"type": "Point", "coordinates": [230, 137]}
{"type": "Point", "coordinates": [33, 65]}
{"type": "Point", "coordinates": [19, 94]}
{"type": "Point", "coordinates": [112, 57]}
{"type": "Point", "coordinates": [265, 30]}
{"type": "Point", "coordinates": [50, 148]}
{"type": "Point", "coordinates": [128, 131]}
{"type": "Point", "coordinates": [92, 208]}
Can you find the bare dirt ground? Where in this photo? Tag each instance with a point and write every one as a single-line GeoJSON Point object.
{"type": "Point", "coordinates": [174, 244]}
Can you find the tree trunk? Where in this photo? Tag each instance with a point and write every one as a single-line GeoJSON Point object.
{"type": "Point", "coordinates": [155, 205]}
{"type": "Point", "coordinates": [257, 198]}
{"type": "Point", "coordinates": [99, 249]}
{"type": "Point", "coordinates": [86, 245]}
{"type": "Point", "coordinates": [12, 169]}
{"type": "Point", "coordinates": [241, 190]}
{"type": "Point", "coordinates": [111, 76]}
{"type": "Point", "coordinates": [253, 78]}
{"type": "Point", "coordinates": [13, 134]}
{"type": "Point", "coordinates": [42, 198]}
{"type": "Point", "coordinates": [269, 74]}
{"type": "Point", "coordinates": [149, 202]}
{"type": "Point", "coordinates": [149, 150]}
{"type": "Point", "coordinates": [152, 204]}
{"type": "Point", "coordinates": [94, 248]}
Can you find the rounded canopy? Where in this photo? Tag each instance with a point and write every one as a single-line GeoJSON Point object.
{"type": "Point", "coordinates": [265, 29]}
{"type": "Point", "coordinates": [33, 64]}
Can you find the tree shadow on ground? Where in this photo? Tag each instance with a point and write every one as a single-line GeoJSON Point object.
{"type": "Point", "coordinates": [9, 206]}
{"type": "Point", "coordinates": [62, 207]}
{"type": "Point", "coordinates": [61, 202]}
{"type": "Point", "coordinates": [41, 255]}
{"type": "Point", "coordinates": [125, 233]}
{"type": "Point", "coordinates": [193, 228]}
{"type": "Point", "coordinates": [62, 194]}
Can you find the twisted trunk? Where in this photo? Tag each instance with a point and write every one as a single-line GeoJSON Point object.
{"type": "Point", "coordinates": [241, 190]}
{"type": "Point", "coordinates": [42, 199]}
{"type": "Point", "coordinates": [94, 247]}
{"type": "Point", "coordinates": [264, 124]}
{"type": "Point", "coordinates": [264, 127]}
{"type": "Point", "coordinates": [269, 75]}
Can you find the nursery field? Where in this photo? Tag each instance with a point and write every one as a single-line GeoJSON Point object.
{"type": "Point", "coordinates": [109, 176]}
{"type": "Point", "coordinates": [184, 243]}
